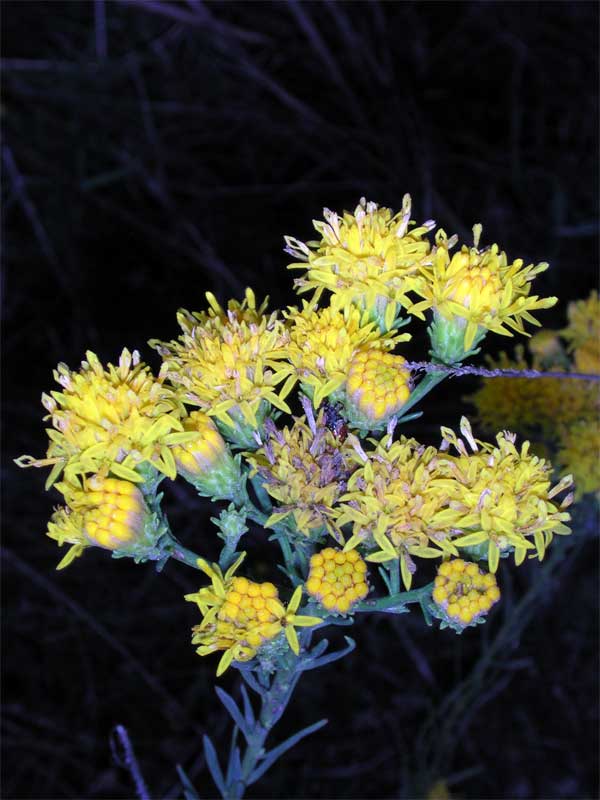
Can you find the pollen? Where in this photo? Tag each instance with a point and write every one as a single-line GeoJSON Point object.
{"type": "Point", "coordinates": [378, 383]}
{"type": "Point", "coordinates": [463, 591]}
{"type": "Point", "coordinates": [337, 579]}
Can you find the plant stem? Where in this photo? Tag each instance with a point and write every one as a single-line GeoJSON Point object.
{"type": "Point", "coordinates": [400, 599]}
{"type": "Point", "coordinates": [274, 702]}
{"type": "Point", "coordinates": [181, 553]}
{"type": "Point", "coordinates": [429, 382]}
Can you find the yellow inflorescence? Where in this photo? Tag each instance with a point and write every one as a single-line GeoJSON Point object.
{"type": "Point", "coordinates": [324, 342]}
{"type": "Point", "coordinates": [378, 385]}
{"type": "Point", "coordinates": [391, 503]}
{"type": "Point", "coordinates": [500, 495]}
{"type": "Point", "coordinates": [202, 453]}
{"type": "Point", "coordinates": [230, 365]}
{"type": "Point", "coordinates": [337, 579]}
{"type": "Point", "coordinates": [113, 510]}
{"type": "Point", "coordinates": [463, 591]}
{"type": "Point", "coordinates": [305, 469]}
{"type": "Point", "coordinates": [111, 419]}
{"type": "Point", "coordinates": [241, 615]}
{"type": "Point", "coordinates": [365, 258]}
{"type": "Point", "coordinates": [479, 287]}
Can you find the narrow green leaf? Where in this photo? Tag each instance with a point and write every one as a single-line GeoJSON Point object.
{"type": "Point", "coordinates": [189, 792]}
{"type": "Point", "coordinates": [214, 766]}
{"type": "Point", "coordinates": [233, 709]}
{"type": "Point", "coordinates": [314, 663]}
{"type": "Point", "coordinates": [276, 752]}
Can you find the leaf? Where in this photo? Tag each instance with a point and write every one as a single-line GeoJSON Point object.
{"type": "Point", "coordinates": [314, 663]}
{"type": "Point", "coordinates": [276, 752]}
{"type": "Point", "coordinates": [213, 765]}
{"type": "Point", "coordinates": [248, 711]}
{"type": "Point", "coordinates": [189, 792]}
{"type": "Point", "coordinates": [126, 473]}
{"type": "Point", "coordinates": [233, 709]}
{"type": "Point", "coordinates": [251, 681]}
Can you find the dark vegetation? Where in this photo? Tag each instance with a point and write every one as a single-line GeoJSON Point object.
{"type": "Point", "coordinates": [155, 150]}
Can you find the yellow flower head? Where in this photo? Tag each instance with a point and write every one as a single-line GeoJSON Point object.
{"type": "Point", "coordinates": [579, 454]}
{"type": "Point", "coordinates": [391, 503]}
{"type": "Point", "coordinates": [247, 311]}
{"type": "Point", "coordinates": [583, 333]}
{"type": "Point", "coordinates": [230, 365]}
{"type": "Point", "coordinates": [109, 420]}
{"type": "Point", "coordinates": [337, 579]}
{"type": "Point", "coordinates": [323, 343]}
{"type": "Point", "coordinates": [105, 512]}
{"type": "Point", "coordinates": [500, 496]}
{"type": "Point", "coordinates": [463, 591]}
{"type": "Point", "coordinates": [205, 460]}
{"type": "Point", "coordinates": [305, 468]}
{"type": "Point", "coordinates": [479, 288]}
{"type": "Point", "coordinates": [239, 615]}
{"type": "Point", "coordinates": [377, 387]}
{"type": "Point", "coordinates": [366, 258]}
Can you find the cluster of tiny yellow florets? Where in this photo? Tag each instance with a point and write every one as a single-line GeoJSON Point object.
{"type": "Point", "coordinates": [324, 341]}
{"type": "Point", "coordinates": [562, 414]}
{"type": "Point", "coordinates": [480, 287]}
{"type": "Point", "coordinates": [337, 579]}
{"type": "Point", "coordinates": [239, 615]}
{"type": "Point", "coordinates": [105, 512]}
{"type": "Point", "coordinates": [365, 258]}
{"type": "Point", "coordinates": [463, 591]}
{"type": "Point", "coordinates": [304, 468]}
{"type": "Point", "coordinates": [378, 384]}
{"type": "Point", "coordinates": [230, 364]}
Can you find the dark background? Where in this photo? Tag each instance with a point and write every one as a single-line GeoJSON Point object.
{"type": "Point", "coordinates": [153, 151]}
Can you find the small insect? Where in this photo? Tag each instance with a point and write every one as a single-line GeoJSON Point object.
{"type": "Point", "coordinates": [334, 420]}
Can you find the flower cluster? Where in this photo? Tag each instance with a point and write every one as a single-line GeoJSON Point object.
{"type": "Point", "coordinates": [117, 431]}
{"type": "Point", "coordinates": [305, 468]}
{"type": "Point", "coordinates": [366, 259]}
{"type": "Point", "coordinates": [231, 364]}
{"type": "Point", "coordinates": [463, 591]}
{"type": "Point", "coordinates": [240, 616]}
{"type": "Point", "coordinates": [337, 579]}
{"type": "Point", "coordinates": [478, 289]}
{"type": "Point", "coordinates": [562, 414]}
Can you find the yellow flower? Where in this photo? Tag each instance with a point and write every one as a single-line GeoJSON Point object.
{"type": "Point", "coordinates": [377, 387]}
{"type": "Point", "coordinates": [478, 290]}
{"type": "Point", "coordinates": [337, 579]}
{"type": "Point", "coordinates": [230, 365]}
{"type": "Point", "coordinates": [110, 420]}
{"type": "Point", "coordinates": [499, 496]}
{"type": "Point", "coordinates": [206, 461]}
{"type": "Point", "coordinates": [247, 311]}
{"type": "Point", "coordinates": [104, 512]}
{"type": "Point", "coordinates": [579, 454]}
{"type": "Point", "coordinates": [240, 616]}
{"type": "Point", "coordinates": [365, 259]}
{"type": "Point", "coordinates": [323, 343]}
{"type": "Point", "coordinates": [305, 468]}
{"type": "Point", "coordinates": [391, 503]}
{"type": "Point", "coordinates": [463, 591]}
{"type": "Point", "coordinates": [584, 322]}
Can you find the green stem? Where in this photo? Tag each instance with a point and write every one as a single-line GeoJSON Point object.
{"type": "Point", "coordinates": [400, 599]}
{"type": "Point", "coordinates": [274, 702]}
{"type": "Point", "coordinates": [181, 553]}
{"type": "Point", "coordinates": [429, 382]}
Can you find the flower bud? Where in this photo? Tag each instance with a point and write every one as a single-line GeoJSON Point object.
{"type": "Point", "coordinates": [463, 592]}
{"type": "Point", "coordinates": [337, 579]}
{"type": "Point", "coordinates": [116, 518]}
{"type": "Point", "coordinates": [377, 387]}
{"type": "Point", "coordinates": [206, 462]}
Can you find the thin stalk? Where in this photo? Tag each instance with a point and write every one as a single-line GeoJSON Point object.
{"type": "Point", "coordinates": [429, 382]}
{"type": "Point", "coordinates": [400, 599]}
{"type": "Point", "coordinates": [181, 553]}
